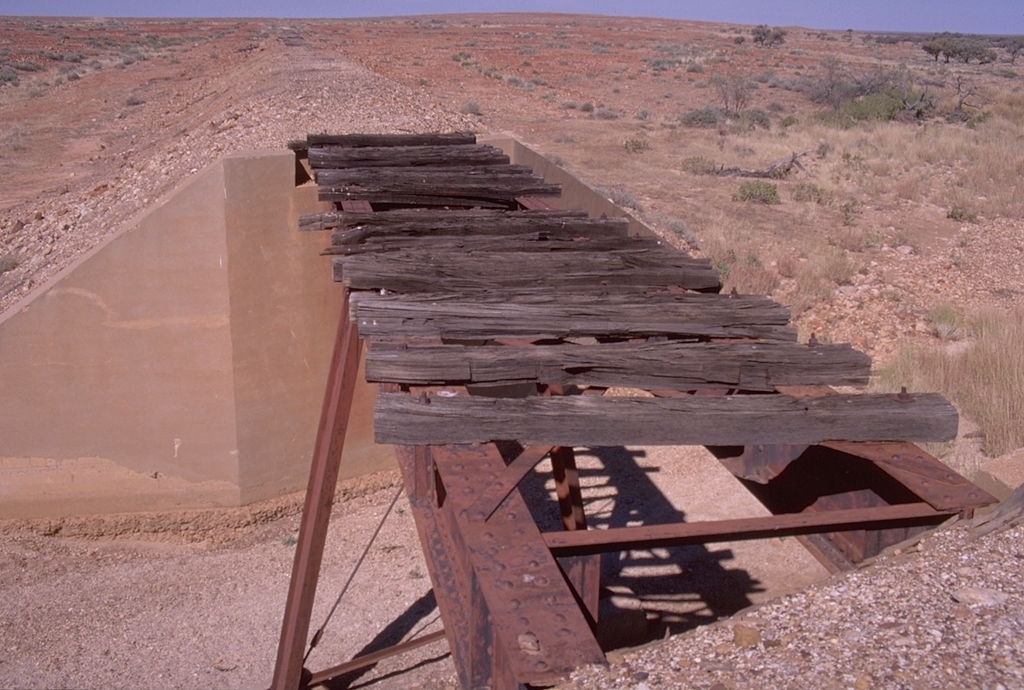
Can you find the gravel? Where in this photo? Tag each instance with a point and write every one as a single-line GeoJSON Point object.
{"type": "Point", "coordinates": [946, 613]}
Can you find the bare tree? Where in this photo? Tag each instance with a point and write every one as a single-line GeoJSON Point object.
{"type": "Point", "coordinates": [734, 90]}
{"type": "Point", "coordinates": [968, 95]}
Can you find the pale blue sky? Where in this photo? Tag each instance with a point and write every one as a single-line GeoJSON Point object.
{"type": "Point", "coordinates": [977, 16]}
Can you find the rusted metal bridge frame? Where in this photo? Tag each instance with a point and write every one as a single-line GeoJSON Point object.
{"type": "Point", "coordinates": [519, 606]}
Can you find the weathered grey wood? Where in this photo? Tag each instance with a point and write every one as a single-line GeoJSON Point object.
{"type": "Point", "coordinates": [449, 245]}
{"type": "Point", "coordinates": [440, 175]}
{"type": "Point", "coordinates": [397, 156]}
{"type": "Point", "coordinates": [614, 421]}
{"type": "Point", "coordinates": [556, 315]}
{"type": "Point", "coordinates": [433, 218]}
{"type": "Point", "coordinates": [436, 217]}
{"type": "Point", "coordinates": [385, 197]}
{"type": "Point", "coordinates": [566, 228]}
{"type": "Point", "coordinates": [434, 139]}
{"type": "Point", "coordinates": [430, 271]}
{"type": "Point", "coordinates": [439, 184]}
{"type": "Point", "coordinates": [668, 365]}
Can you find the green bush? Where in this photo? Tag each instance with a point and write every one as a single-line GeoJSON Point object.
{"type": "Point", "coordinates": [758, 191]}
{"type": "Point", "coordinates": [880, 107]}
{"type": "Point", "coordinates": [698, 165]}
{"type": "Point", "coordinates": [811, 192]}
{"type": "Point", "coordinates": [636, 145]}
{"type": "Point", "coordinates": [706, 117]}
{"type": "Point", "coordinates": [757, 118]}
{"type": "Point", "coordinates": [962, 215]}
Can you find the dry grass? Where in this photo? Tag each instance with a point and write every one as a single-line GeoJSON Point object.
{"type": "Point", "coordinates": [984, 376]}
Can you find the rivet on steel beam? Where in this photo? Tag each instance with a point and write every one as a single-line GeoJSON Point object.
{"type": "Point", "coordinates": [903, 396]}
{"type": "Point", "coordinates": [529, 643]}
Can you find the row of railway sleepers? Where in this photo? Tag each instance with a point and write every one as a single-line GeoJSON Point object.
{"type": "Point", "coordinates": [490, 302]}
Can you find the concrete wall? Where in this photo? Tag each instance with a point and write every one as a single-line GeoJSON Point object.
{"type": "Point", "coordinates": [182, 363]}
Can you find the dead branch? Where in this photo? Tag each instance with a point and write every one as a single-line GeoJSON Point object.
{"type": "Point", "coordinates": [777, 170]}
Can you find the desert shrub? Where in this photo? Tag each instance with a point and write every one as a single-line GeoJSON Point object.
{"type": "Point", "coordinates": [134, 100]}
{"type": "Point", "coordinates": [71, 57]}
{"type": "Point", "coordinates": [698, 165]}
{"type": "Point", "coordinates": [805, 191]}
{"type": "Point", "coordinates": [587, 108]}
{"type": "Point", "coordinates": [680, 228]}
{"type": "Point", "coordinates": [879, 107]}
{"type": "Point", "coordinates": [621, 197]}
{"type": "Point", "coordinates": [606, 114]}
{"type": "Point", "coordinates": [8, 76]}
{"type": "Point", "coordinates": [643, 114]}
{"type": "Point", "coordinates": [706, 117]}
{"type": "Point", "coordinates": [758, 191]}
{"type": "Point", "coordinates": [947, 322]}
{"type": "Point", "coordinates": [837, 266]}
{"type": "Point", "coordinates": [695, 68]}
{"type": "Point", "coordinates": [776, 107]}
{"type": "Point", "coordinates": [515, 81]}
{"type": "Point", "coordinates": [74, 76]}
{"type": "Point", "coordinates": [470, 108]}
{"type": "Point", "coordinates": [962, 215]}
{"type": "Point", "coordinates": [636, 145]}
{"type": "Point", "coordinates": [788, 121]}
{"type": "Point", "coordinates": [750, 277]}
{"type": "Point", "coordinates": [756, 117]}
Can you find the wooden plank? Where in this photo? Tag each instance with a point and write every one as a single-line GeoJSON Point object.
{"type": "Point", "coordinates": [452, 246]}
{"type": "Point", "coordinates": [652, 536]}
{"type": "Point", "coordinates": [511, 223]}
{"type": "Point", "coordinates": [357, 206]}
{"type": "Point", "coordinates": [754, 366]}
{"type": "Point", "coordinates": [532, 203]}
{"type": "Point", "coordinates": [621, 421]}
{"type": "Point", "coordinates": [428, 271]}
{"type": "Point", "coordinates": [413, 191]}
{"type": "Point", "coordinates": [430, 218]}
{"type": "Point", "coordinates": [503, 314]}
{"type": "Point", "coordinates": [397, 156]}
{"type": "Point", "coordinates": [436, 175]}
{"type": "Point", "coordinates": [923, 474]}
{"type": "Point", "coordinates": [539, 630]}
{"type": "Point", "coordinates": [434, 139]}
{"type": "Point", "coordinates": [386, 197]}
